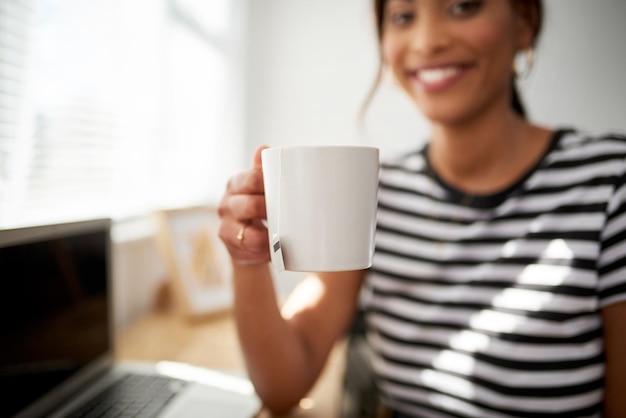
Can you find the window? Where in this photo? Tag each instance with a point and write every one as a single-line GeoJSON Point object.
{"type": "Point", "coordinates": [116, 107]}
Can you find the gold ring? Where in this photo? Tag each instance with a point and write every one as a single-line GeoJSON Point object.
{"type": "Point", "coordinates": [240, 233]}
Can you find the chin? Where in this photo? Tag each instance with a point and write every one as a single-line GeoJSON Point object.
{"type": "Point", "coordinates": [447, 117]}
{"type": "Point", "coordinates": [451, 111]}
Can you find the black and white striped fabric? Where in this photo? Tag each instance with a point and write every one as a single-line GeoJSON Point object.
{"type": "Point", "coordinates": [491, 307]}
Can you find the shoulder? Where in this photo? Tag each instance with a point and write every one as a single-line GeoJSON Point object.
{"type": "Point", "coordinates": [609, 143]}
{"type": "Point", "coordinates": [584, 150]}
{"type": "Point", "coordinates": [408, 160]}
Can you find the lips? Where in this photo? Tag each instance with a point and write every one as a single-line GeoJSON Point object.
{"type": "Point", "coordinates": [436, 75]}
{"type": "Point", "coordinates": [438, 78]}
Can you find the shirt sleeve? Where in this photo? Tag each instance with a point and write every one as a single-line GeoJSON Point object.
{"type": "Point", "coordinates": [612, 259]}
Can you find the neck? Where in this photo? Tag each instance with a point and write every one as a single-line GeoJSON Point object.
{"type": "Point", "coordinates": [483, 155]}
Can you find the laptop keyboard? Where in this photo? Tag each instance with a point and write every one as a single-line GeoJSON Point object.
{"type": "Point", "coordinates": [137, 396]}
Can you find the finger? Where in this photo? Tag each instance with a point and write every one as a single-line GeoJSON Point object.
{"type": "Point", "coordinates": [253, 247]}
{"type": "Point", "coordinates": [247, 207]}
{"type": "Point", "coordinates": [256, 160]}
{"type": "Point", "coordinates": [253, 239]}
{"type": "Point", "coordinates": [246, 182]}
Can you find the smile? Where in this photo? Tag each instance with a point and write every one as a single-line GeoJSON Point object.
{"type": "Point", "coordinates": [436, 75]}
{"type": "Point", "coordinates": [434, 79]}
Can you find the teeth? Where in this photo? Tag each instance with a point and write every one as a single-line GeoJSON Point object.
{"type": "Point", "coordinates": [437, 74]}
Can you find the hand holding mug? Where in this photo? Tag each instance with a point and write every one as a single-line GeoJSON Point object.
{"type": "Point", "coordinates": [242, 214]}
{"type": "Point", "coordinates": [320, 206]}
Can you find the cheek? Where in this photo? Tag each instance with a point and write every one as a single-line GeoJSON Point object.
{"type": "Point", "coordinates": [391, 53]}
{"type": "Point", "coordinates": [495, 40]}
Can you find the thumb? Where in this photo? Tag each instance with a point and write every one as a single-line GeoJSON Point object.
{"type": "Point", "coordinates": [256, 160]}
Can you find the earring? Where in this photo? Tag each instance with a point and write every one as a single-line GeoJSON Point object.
{"type": "Point", "coordinates": [525, 60]}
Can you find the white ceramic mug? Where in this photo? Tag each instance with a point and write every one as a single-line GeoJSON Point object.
{"type": "Point", "coordinates": [321, 206]}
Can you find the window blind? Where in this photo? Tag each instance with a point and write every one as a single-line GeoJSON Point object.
{"type": "Point", "coordinates": [15, 22]}
{"type": "Point", "coordinates": [112, 107]}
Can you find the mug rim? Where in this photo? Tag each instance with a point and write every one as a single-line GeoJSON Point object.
{"type": "Point", "coordinates": [331, 146]}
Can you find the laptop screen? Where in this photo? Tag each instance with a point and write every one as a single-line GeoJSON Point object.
{"type": "Point", "coordinates": [53, 307]}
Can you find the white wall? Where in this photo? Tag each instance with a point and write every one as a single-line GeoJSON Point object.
{"type": "Point", "coordinates": [311, 63]}
{"type": "Point", "coordinates": [579, 78]}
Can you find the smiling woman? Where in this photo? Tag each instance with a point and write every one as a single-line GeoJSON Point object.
{"type": "Point", "coordinates": [498, 279]}
{"type": "Point", "coordinates": [485, 35]}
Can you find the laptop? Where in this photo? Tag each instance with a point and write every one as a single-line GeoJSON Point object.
{"type": "Point", "coordinates": [56, 338]}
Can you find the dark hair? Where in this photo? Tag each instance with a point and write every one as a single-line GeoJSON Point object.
{"type": "Point", "coordinates": [533, 11]}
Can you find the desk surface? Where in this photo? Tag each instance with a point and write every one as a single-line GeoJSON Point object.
{"type": "Point", "coordinates": [212, 342]}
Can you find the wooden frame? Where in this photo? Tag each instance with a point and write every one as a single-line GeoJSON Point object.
{"type": "Point", "coordinates": [194, 259]}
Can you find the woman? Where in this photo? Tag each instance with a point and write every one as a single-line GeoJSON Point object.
{"type": "Point", "coordinates": [499, 282]}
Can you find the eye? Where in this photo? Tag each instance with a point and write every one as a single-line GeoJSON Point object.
{"type": "Point", "coordinates": [465, 8]}
{"type": "Point", "coordinates": [399, 13]}
{"type": "Point", "coordinates": [400, 18]}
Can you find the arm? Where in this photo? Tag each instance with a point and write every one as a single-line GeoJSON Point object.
{"type": "Point", "coordinates": [284, 351]}
{"type": "Point", "coordinates": [614, 318]}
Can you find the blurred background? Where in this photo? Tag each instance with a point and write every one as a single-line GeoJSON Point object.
{"type": "Point", "coordinates": [120, 108]}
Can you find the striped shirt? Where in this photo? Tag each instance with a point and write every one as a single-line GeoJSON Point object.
{"type": "Point", "coordinates": [491, 307]}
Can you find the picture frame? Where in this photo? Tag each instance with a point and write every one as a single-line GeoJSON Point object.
{"type": "Point", "coordinates": [194, 259]}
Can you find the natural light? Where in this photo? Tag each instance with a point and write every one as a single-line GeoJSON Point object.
{"type": "Point", "coordinates": [122, 107]}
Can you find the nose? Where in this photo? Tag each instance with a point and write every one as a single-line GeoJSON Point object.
{"type": "Point", "coordinates": [429, 36]}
